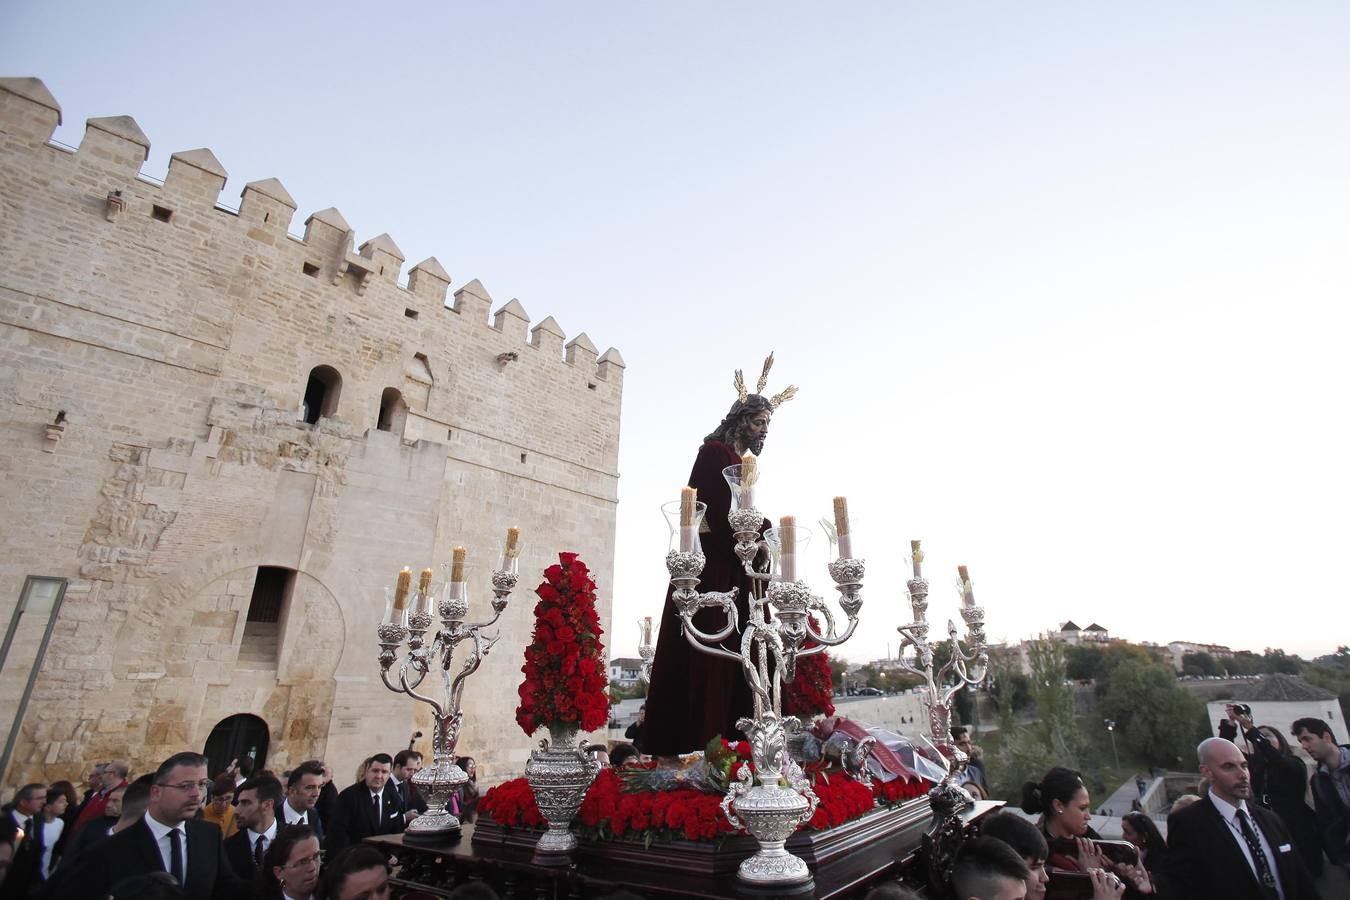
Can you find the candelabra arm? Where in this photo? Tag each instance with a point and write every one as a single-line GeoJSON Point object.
{"type": "Point", "coordinates": [403, 687]}
{"type": "Point", "coordinates": [481, 646]}
{"type": "Point", "coordinates": [829, 639]}
{"type": "Point", "coordinates": [711, 650]}
{"type": "Point", "coordinates": [726, 600]}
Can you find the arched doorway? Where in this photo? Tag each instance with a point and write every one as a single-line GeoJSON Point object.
{"type": "Point", "coordinates": [234, 738]}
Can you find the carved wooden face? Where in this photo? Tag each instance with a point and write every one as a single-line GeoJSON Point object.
{"type": "Point", "coordinates": [753, 431]}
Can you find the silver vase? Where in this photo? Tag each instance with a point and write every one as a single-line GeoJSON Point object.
{"type": "Point", "coordinates": [559, 773]}
{"type": "Point", "coordinates": [764, 807]}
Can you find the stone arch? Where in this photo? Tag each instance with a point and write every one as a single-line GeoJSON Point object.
{"type": "Point", "coordinates": [322, 391]}
{"type": "Point", "coordinates": [190, 623]}
{"type": "Point", "coordinates": [393, 411]}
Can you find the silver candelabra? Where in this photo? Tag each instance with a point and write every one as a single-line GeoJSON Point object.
{"type": "Point", "coordinates": [780, 622]}
{"type": "Point", "coordinates": [968, 664]}
{"type": "Point", "coordinates": [440, 780]}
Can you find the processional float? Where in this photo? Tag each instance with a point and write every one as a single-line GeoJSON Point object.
{"type": "Point", "coordinates": [776, 798]}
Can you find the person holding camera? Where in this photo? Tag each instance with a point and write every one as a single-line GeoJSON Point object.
{"type": "Point", "coordinates": [1279, 780]}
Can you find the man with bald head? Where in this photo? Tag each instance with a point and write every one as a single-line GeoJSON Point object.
{"type": "Point", "coordinates": [1223, 846]}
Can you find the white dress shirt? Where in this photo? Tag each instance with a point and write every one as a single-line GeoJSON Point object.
{"type": "Point", "coordinates": [268, 836]}
{"type": "Point", "coordinates": [1228, 812]}
{"type": "Point", "coordinates": [161, 833]}
{"type": "Point", "coordinates": [291, 816]}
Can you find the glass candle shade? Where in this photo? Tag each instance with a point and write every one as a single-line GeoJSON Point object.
{"type": "Point", "coordinates": [454, 604]}
{"type": "Point", "coordinates": [684, 534]}
{"type": "Point", "coordinates": [742, 492]}
{"type": "Point", "coordinates": [785, 566]}
{"type": "Point", "coordinates": [393, 616]}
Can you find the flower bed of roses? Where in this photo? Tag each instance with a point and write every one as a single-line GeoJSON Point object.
{"type": "Point", "coordinates": [611, 812]}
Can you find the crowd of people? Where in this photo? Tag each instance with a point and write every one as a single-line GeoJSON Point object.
{"type": "Point", "coordinates": [253, 834]}
{"type": "Point", "coordinates": [175, 833]}
{"type": "Point", "coordinates": [1249, 833]}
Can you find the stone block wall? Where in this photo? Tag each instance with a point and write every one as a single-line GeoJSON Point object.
{"type": "Point", "coordinates": [177, 337]}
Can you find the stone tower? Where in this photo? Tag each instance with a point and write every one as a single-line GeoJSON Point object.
{"type": "Point", "coordinates": [221, 441]}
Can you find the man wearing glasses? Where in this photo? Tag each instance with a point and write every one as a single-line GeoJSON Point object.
{"type": "Point", "coordinates": [168, 839]}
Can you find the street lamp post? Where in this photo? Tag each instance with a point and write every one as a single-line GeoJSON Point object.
{"type": "Point", "coordinates": [1111, 730]}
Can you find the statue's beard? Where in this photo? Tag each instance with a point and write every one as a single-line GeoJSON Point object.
{"type": "Point", "coordinates": [755, 445]}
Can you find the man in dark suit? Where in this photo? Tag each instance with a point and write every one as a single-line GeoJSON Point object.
{"type": "Point", "coordinates": [367, 808]}
{"type": "Point", "coordinates": [407, 763]}
{"type": "Point", "coordinates": [256, 803]}
{"type": "Point", "coordinates": [1224, 846]}
{"type": "Point", "coordinates": [167, 839]}
{"type": "Point", "coordinates": [303, 787]}
{"type": "Point", "coordinates": [25, 869]}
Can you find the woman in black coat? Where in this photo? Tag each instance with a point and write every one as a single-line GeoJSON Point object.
{"type": "Point", "coordinates": [1279, 783]}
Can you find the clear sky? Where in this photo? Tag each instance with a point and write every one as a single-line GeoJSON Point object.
{"type": "Point", "coordinates": [1064, 285]}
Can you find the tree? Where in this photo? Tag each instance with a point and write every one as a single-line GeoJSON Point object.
{"type": "Point", "coordinates": [1279, 661]}
{"type": "Point", "coordinates": [1053, 739]}
{"type": "Point", "coordinates": [1156, 718]}
{"type": "Point", "coordinates": [1201, 664]}
{"type": "Point", "coordinates": [838, 672]}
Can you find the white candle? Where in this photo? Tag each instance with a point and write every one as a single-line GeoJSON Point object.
{"type": "Point", "coordinates": [688, 499]}
{"type": "Point", "coordinates": [787, 537]}
{"type": "Point", "coordinates": [749, 474]}
{"type": "Point", "coordinates": [917, 556]}
{"type": "Point", "coordinates": [841, 528]}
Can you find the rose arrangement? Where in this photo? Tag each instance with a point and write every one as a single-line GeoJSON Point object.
{"type": "Point", "coordinates": [611, 810]}
{"type": "Point", "coordinates": [565, 680]}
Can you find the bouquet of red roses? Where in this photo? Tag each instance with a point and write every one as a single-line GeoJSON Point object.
{"type": "Point", "coordinates": [565, 680]}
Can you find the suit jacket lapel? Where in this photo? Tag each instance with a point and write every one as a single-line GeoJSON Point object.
{"type": "Point", "coordinates": [1225, 838]}
{"type": "Point", "coordinates": [147, 847]}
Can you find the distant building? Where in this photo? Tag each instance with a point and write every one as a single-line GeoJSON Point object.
{"type": "Point", "coordinates": [1177, 650]}
{"type": "Point", "coordinates": [624, 671]}
{"type": "Point", "coordinates": [1095, 632]}
{"type": "Point", "coordinates": [1069, 633]}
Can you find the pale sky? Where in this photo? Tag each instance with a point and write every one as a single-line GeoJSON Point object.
{"type": "Point", "coordinates": [1064, 285]}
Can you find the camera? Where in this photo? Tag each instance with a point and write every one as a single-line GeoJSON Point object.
{"type": "Point", "coordinates": [1242, 709]}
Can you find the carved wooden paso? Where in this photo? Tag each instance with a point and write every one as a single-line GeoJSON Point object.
{"type": "Point", "coordinates": [875, 848]}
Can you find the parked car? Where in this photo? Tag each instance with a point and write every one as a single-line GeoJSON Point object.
{"type": "Point", "coordinates": [870, 692]}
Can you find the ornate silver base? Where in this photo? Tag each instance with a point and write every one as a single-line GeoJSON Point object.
{"type": "Point", "coordinates": [559, 775]}
{"type": "Point", "coordinates": [771, 814]}
{"type": "Point", "coordinates": [433, 823]}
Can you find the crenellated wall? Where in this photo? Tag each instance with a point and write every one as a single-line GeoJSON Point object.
{"type": "Point", "coordinates": [178, 337]}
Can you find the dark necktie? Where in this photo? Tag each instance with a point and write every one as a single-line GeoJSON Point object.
{"type": "Point", "coordinates": [1263, 872]}
{"type": "Point", "coordinates": [176, 855]}
{"type": "Point", "coordinates": [28, 833]}
{"type": "Point", "coordinates": [375, 798]}
{"type": "Point", "coordinates": [258, 852]}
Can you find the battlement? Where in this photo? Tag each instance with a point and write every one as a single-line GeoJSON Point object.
{"type": "Point", "coordinates": [107, 164]}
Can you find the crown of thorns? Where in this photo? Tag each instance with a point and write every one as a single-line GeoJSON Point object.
{"type": "Point", "coordinates": [777, 399]}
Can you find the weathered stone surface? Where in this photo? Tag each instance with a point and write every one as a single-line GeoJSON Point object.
{"type": "Point", "coordinates": [178, 338]}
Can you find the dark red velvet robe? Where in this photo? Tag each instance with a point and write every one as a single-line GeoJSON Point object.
{"type": "Point", "coordinates": [694, 696]}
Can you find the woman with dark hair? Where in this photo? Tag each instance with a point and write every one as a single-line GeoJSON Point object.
{"type": "Point", "coordinates": [464, 801]}
{"type": "Point", "coordinates": [1143, 832]}
{"type": "Point", "coordinates": [1066, 810]}
{"type": "Point", "coordinates": [359, 872]}
{"type": "Point", "coordinates": [290, 869]}
{"type": "Point", "coordinates": [67, 790]}
{"type": "Point", "coordinates": [52, 824]}
{"type": "Point", "coordinates": [1279, 781]}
